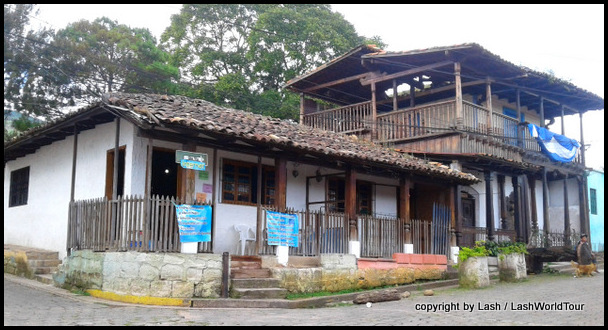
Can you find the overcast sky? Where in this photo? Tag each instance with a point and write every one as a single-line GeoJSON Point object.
{"type": "Point", "coordinates": [567, 40]}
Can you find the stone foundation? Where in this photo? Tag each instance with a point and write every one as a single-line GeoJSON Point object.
{"type": "Point", "coordinates": [169, 275]}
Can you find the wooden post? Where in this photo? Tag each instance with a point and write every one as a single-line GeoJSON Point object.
{"type": "Point", "coordinates": [532, 183]}
{"type": "Point", "coordinates": [502, 201]}
{"type": "Point", "coordinates": [516, 207]}
{"type": "Point", "coordinates": [395, 103]}
{"type": "Point", "coordinates": [520, 142]}
{"type": "Point", "coordinates": [542, 112]}
{"type": "Point", "coordinates": [566, 214]}
{"type": "Point", "coordinates": [350, 203]}
{"type": "Point", "coordinates": [489, 205]}
{"type": "Point", "coordinates": [280, 181]}
{"type": "Point", "coordinates": [412, 96]}
{"type": "Point", "coordinates": [458, 87]}
{"type": "Point", "coordinates": [545, 207]}
{"type": "Point", "coordinates": [301, 108]}
{"type": "Point", "coordinates": [72, 187]}
{"type": "Point", "coordinates": [458, 207]}
{"type": "Point", "coordinates": [404, 208]}
{"type": "Point", "coordinates": [374, 113]}
{"type": "Point", "coordinates": [225, 275]}
{"type": "Point", "coordinates": [489, 107]}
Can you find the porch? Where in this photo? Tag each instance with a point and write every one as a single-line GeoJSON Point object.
{"type": "Point", "coordinates": [134, 223]}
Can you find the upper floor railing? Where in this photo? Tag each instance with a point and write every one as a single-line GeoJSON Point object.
{"type": "Point", "coordinates": [428, 120]}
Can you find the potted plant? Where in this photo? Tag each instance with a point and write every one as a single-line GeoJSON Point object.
{"type": "Point", "coordinates": [512, 261]}
{"type": "Point", "coordinates": [473, 266]}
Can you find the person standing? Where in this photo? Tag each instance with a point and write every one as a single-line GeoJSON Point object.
{"type": "Point", "coordinates": [584, 254]}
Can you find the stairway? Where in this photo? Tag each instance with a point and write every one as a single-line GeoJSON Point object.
{"type": "Point", "coordinates": [43, 263]}
{"type": "Point", "coordinates": [250, 281]}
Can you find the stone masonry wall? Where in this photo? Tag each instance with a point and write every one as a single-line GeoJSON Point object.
{"type": "Point", "coordinates": [171, 275]}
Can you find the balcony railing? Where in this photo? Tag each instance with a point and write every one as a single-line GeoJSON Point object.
{"type": "Point", "coordinates": [430, 120]}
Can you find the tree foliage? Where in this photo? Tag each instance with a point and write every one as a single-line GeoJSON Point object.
{"type": "Point", "coordinates": [104, 56]}
{"type": "Point", "coordinates": [235, 55]}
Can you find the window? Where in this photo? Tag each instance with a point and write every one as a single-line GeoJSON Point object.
{"type": "Point", "coordinates": [240, 183]}
{"type": "Point", "coordinates": [20, 181]}
{"type": "Point", "coordinates": [110, 172]}
{"type": "Point", "coordinates": [336, 196]}
{"type": "Point", "coordinates": [593, 200]}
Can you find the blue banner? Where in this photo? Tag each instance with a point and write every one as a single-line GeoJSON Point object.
{"type": "Point", "coordinates": [557, 147]}
{"type": "Point", "coordinates": [194, 222]}
{"type": "Point", "coordinates": [282, 229]}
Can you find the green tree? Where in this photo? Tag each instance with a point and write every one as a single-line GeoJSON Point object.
{"type": "Point", "coordinates": [104, 56]}
{"type": "Point", "coordinates": [238, 55]}
{"type": "Point", "coordinates": [27, 74]}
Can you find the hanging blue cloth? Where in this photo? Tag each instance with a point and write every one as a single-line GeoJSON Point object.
{"type": "Point", "coordinates": [557, 147]}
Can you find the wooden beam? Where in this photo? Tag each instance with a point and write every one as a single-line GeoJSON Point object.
{"type": "Point", "coordinates": [336, 82]}
{"type": "Point", "coordinates": [405, 73]}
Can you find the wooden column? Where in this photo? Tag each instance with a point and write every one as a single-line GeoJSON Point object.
{"type": "Point", "coordinates": [280, 181]}
{"type": "Point", "coordinates": [532, 183]}
{"type": "Point", "coordinates": [404, 209]}
{"type": "Point", "coordinates": [542, 112]}
{"type": "Point", "coordinates": [566, 214]}
{"type": "Point", "coordinates": [458, 207]}
{"type": "Point", "coordinates": [453, 214]}
{"type": "Point", "coordinates": [350, 203]}
{"type": "Point", "coordinates": [516, 208]}
{"type": "Point", "coordinates": [502, 201]}
{"type": "Point", "coordinates": [412, 96]}
{"type": "Point", "coordinates": [116, 158]}
{"type": "Point", "coordinates": [545, 207]}
{"type": "Point", "coordinates": [187, 178]}
{"type": "Point", "coordinates": [490, 130]}
{"type": "Point", "coordinates": [72, 188]}
{"type": "Point", "coordinates": [374, 112]}
{"type": "Point", "coordinates": [489, 205]}
{"type": "Point", "coordinates": [520, 141]}
{"type": "Point", "coordinates": [395, 103]}
{"type": "Point", "coordinates": [301, 108]}
{"type": "Point", "coordinates": [583, 210]}
{"type": "Point", "coordinates": [458, 88]}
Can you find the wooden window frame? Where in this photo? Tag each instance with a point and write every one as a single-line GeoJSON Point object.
{"type": "Point", "coordinates": [19, 187]}
{"type": "Point", "coordinates": [268, 183]}
{"type": "Point", "coordinates": [110, 171]}
{"type": "Point", "coordinates": [593, 201]}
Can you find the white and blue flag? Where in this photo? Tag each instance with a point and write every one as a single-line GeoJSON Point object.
{"type": "Point", "coordinates": [557, 147]}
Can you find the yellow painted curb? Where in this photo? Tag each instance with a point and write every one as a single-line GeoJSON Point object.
{"type": "Point", "coordinates": [144, 300]}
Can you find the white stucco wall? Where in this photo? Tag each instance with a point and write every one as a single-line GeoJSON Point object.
{"type": "Point", "coordinates": [42, 223]}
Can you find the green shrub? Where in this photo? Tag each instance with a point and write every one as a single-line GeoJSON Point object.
{"type": "Point", "coordinates": [495, 249]}
{"type": "Point", "coordinates": [479, 250]}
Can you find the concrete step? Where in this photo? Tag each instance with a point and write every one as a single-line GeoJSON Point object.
{"type": "Point", "coordinates": [250, 273]}
{"type": "Point", "coordinates": [34, 263]}
{"type": "Point", "coordinates": [261, 293]}
{"type": "Point", "coordinates": [255, 283]}
{"type": "Point", "coordinates": [245, 265]}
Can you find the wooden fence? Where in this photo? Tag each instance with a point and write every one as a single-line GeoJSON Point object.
{"type": "Point", "coordinates": [129, 223]}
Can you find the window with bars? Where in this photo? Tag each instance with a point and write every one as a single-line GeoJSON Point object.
{"type": "Point", "coordinates": [20, 181]}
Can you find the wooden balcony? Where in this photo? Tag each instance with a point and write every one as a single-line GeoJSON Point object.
{"type": "Point", "coordinates": [434, 128]}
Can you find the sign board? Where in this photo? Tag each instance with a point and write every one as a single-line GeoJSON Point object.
{"type": "Point", "coordinates": [192, 165]}
{"type": "Point", "coordinates": [283, 228]}
{"type": "Point", "coordinates": [194, 223]}
{"type": "Point", "coordinates": [191, 156]}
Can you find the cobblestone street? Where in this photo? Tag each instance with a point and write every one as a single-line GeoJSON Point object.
{"type": "Point", "coordinates": [541, 300]}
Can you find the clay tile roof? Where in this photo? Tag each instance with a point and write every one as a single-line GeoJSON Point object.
{"type": "Point", "coordinates": [205, 116]}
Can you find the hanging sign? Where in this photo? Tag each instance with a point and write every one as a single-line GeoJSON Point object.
{"type": "Point", "coordinates": [191, 160]}
{"type": "Point", "coordinates": [194, 223]}
{"type": "Point", "coordinates": [282, 229]}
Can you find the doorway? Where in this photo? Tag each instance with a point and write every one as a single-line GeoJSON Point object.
{"type": "Point", "coordinates": [164, 173]}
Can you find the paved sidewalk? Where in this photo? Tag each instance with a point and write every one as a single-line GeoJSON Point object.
{"type": "Point", "coordinates": [558, 299]}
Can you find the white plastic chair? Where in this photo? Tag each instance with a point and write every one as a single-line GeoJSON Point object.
{"type": "Point", "coordinates": [246, 234]}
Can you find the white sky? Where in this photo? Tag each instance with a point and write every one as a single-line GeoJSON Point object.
{"type": "Point", "coordinates": [566, 39]}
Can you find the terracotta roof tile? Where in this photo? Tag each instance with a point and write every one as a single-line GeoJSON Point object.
{"type": "Point", "coordinates": [206, 116]}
